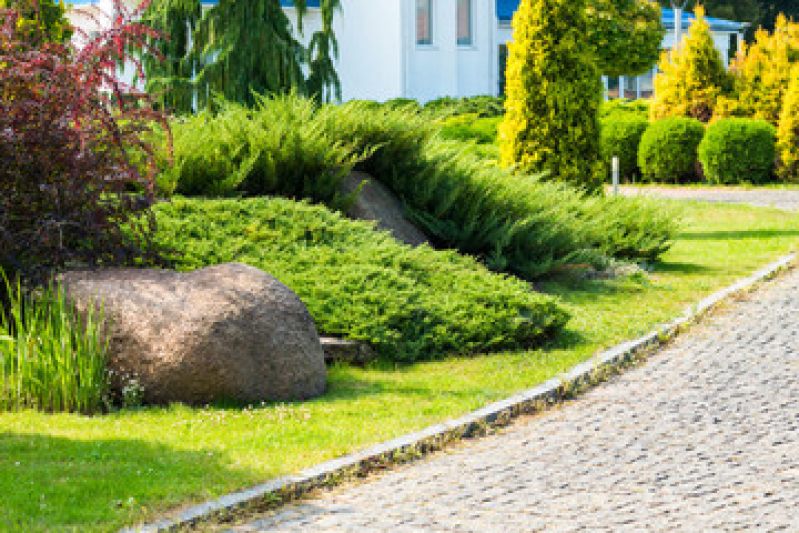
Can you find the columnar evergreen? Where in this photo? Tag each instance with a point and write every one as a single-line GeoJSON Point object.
{"type": "Point", "coordinates": [237, 48]}
{"type": "Point", "coordinates": [554, 91]}
{"type": "Point", "coordinates": [692, 76]}
{"type": "Point", "coordinates": [788, 132]}
{"type": "Point", "coordinates": [762, 71]}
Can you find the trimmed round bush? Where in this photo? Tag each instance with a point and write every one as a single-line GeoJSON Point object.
{"type": "Point", "coordinates": [668, 150]}
{"type": "Point", "coordinates": [620, 135]}
{"type": "Point", "coordinates": [738, 150]}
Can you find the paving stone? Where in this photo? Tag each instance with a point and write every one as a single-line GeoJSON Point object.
{"type": "Point", "coordinates": [704, 437]}
{"type": "Point", "coordinates": [787, 199]}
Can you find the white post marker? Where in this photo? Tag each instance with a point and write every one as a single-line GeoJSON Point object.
{"type": "Point", "coordinates": [615, 166]}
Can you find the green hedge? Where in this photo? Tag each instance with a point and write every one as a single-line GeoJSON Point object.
{"type": "Point", "coordinates": [470, 128]}
{"type": "Point", "coordinates": [620, 135]}
{"type": "Point", "coordinates": [738, 150]}
{"type": "Point", "coordinates": [409, 303]}
{"type": "Point", "coordinates": [629, 108]}
{"type": "Point", "coordinates": [482, 106]}
{"type": "Point", "coordinates": [668, 150]}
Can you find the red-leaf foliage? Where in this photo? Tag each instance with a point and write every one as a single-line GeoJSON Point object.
{"type": "Point", "coordinates": [70, 193]}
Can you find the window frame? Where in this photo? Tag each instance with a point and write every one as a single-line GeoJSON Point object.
{"type": "Point", "coordinates": [466, 42]}
{"type": "Point", "coordinates": [427, 41]}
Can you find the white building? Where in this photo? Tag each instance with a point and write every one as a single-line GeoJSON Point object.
{"type": "Point", "coordinates": [426, 49]}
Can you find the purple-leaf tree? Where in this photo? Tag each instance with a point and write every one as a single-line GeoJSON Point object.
{"type": "Point", "coordinates": [72, 189]}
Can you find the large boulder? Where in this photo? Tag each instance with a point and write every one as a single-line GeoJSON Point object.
{"type": "Point", "coordinates": [227, 332]}
{"type": "Point", "coordinates": [377, 202]}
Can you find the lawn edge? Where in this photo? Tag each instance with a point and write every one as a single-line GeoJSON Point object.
{"type": "Point", "coordinates": [418, 444]}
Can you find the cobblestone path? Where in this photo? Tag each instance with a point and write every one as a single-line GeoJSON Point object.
{"type": "Point", "coordinates": [787, 199]}
{"type": "Point", "coordinates": [702, 438]}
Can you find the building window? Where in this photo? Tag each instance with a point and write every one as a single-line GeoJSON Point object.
{"type": "Point", "coordinates": [465, 23]}
{"type": "Point", "coordinates": [503, 67]}
{"type": "Point", "coordinates": [424, 22]}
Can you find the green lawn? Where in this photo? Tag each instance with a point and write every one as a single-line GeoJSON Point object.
{"type": "Point", "coordinates": [68, 472]}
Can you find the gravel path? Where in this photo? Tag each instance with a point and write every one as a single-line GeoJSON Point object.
{"type": "Point", "coordinates": [786, 199]}
{"type": "Point", "coordinates": [703, 438]}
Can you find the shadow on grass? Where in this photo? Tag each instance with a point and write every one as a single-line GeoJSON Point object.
{"type": "Point", "coordinates": [737, 235]}
{"type": "Point", "coordinates": [681, 268]}
{"type": "Point", "coordinates": [58, 484]}
{"type": "Point", "coordinates": [575, 290]}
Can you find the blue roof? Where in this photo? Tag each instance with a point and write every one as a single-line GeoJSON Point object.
{"type": "Point", "coordinates": [506, 9]}
{"type": "Point", "coordinates": [689, 18]}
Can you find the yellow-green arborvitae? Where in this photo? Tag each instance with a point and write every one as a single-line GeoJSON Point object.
{"type": "Point", "coordinates": [788, 132]}
{"type": "Point", "coordinates": [762, 72]}
{"type": "Point", "coordinates": [554, 91]}
{"type": "Point", "coordinates": [692, 76]}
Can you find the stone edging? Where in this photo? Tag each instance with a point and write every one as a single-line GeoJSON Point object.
{"type": "Point", "coordinates": [415, 445]}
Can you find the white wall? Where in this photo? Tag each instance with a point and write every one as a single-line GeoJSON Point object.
{"type": "Point", "coordinates": [444, 68]}
{"type": "Point", "coordinates": [370, 35]}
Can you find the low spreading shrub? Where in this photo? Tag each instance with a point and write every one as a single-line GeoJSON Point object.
{"type": "Point", "coordinates": [738, 150]}
{"type": "Point", "coordinates": [668, 150]}
{"type": "Point", "coordinates": [620, 136]}
{"type": "Point", "coordinates": [409, 303]}
{"type": "Point", "coordinates": [516, 223]}
{"type": "Point", "coordinates": [275, 148]}
{"type": "Point", "coordinates": [50, 358]}
{"type": "Point", "coordinates": [403, 103]}
{"type": "Point", "coordinates": [462, 200]}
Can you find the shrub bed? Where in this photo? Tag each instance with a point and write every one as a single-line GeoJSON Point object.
{"type": "Point", "coordinates": [512, 222]}
{"type": "Point", "coordinates": [668, 150]}
{"type": "Point", "coordinates": [738, 150]}
{"type": "Point", "coordinates": [409, 303]}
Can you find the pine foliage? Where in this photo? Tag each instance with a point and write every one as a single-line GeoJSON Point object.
{"type": "Point", "coordinates": [239, 48]}
{"type": "Point", "coordinates": [692, 76]}
{"type": "Point", "coordinates": [788, 133]}
{"type": "Point", "coordinates": [554, 92]}
{"type": "Point", "coordinates": [626, 35]}
{"type": "Point", "coordinates": [762, 72]}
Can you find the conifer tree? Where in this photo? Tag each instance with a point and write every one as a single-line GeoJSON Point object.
{"type": "Point", "coordinates": [692, 76]}
{"type": "Point", "coordinates": [762, 71]}
{"type": "Point", "coordinates": [788, 132]}
{"type": "Point", "coordinates": [237, 48]}
{"type": "Point", "coordinates": [554, 91]}
{"type": "Point", "coordinates": [625, 35]}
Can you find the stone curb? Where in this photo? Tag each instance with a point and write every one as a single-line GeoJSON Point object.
{"type": "Point", "coordinates": [414, 445]}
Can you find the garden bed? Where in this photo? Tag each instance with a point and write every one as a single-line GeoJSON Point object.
{"type": "Point", "coordinates": [61, 472]}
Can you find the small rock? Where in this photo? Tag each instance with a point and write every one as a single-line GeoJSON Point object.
{"type": "Point", "coordinates": [347, 351]}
